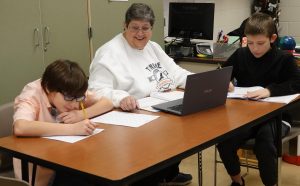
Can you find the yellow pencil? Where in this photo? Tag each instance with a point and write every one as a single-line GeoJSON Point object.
{"type": "Point", "coordinates": [83, 110]}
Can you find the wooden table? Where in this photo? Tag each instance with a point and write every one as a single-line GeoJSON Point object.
{"type": "Point", "coordinates": [121, 155]}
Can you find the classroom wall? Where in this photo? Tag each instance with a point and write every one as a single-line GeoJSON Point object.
{"type": "Point", "coordinates": [22, 56]}
{"type": "Point", "coordinates": [289, 19]}
{"type": "Point", "coordinates": [111, 14]}
{"type": "Point", "coordinates": [229, 14]}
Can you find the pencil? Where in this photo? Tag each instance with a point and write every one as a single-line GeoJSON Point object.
{"type": "Point", "coordinates": [83, 110]}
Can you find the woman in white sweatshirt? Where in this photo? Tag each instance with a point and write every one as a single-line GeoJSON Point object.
{"type": "Point", "coordinates": [130, 66]}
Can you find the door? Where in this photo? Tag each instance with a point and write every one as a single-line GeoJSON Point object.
{"type": "Point", "coordinates": [65, 31]}
{"type": "Point", "coordinates": [21, 58]}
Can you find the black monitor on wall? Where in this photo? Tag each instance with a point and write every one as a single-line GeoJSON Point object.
{"type": "Point", "coordinates": [191, 21]}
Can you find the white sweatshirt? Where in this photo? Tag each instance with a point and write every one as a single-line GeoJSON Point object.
{"type": "Point", "coordinates": [118, 70]}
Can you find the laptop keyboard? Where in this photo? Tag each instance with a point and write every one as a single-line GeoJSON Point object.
{"type": "Point", "coordinates": [176, 108]}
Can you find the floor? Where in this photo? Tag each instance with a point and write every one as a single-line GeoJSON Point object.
{"type": "Point", "coordinates": [290, 174]}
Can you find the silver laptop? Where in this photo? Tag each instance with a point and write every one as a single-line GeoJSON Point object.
{"type": "Point", "coordinates": [202, 91]}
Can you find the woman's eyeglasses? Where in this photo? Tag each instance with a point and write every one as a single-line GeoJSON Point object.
{"type": "Point", "coordinates": [136, 29]}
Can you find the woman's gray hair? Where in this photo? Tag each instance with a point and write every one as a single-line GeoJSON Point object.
{"type": "Point", "coordinates": [139, 11]}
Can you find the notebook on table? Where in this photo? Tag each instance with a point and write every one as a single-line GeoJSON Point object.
{"type": "Point", "coordinates": [202, 91]}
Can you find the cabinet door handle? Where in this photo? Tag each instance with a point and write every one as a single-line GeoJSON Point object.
{"type": "Point", "coordinates": [46, 37]}
{"type": "Point", "coordinates": [36, 37]}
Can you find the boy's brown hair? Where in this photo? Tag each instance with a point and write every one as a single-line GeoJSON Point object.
{"type": "Point", "coordinates": [260, 23]}
{"type": "Point", "coordinates": [66, 77]}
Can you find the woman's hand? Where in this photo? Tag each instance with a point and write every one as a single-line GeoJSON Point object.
{"type": "Point", "coordinates": [129, 103]}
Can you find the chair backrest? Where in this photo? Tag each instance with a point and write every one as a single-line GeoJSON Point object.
{"type": "Point", "coordinates": [295, 123]}
{"type": "Point", "coordinates": [295, 115]}
{"type": "Point", "coordinates": [295, 131]}
{"type": "Point", "coordinates": [6, 119]}
{"type": "Point", "coordinates": [5, 181]}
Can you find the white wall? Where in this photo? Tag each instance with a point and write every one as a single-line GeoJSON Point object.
{"type": "Point", "coordinates": [289, 19]}
{"type": "Point", "coordinates": [229, 14]}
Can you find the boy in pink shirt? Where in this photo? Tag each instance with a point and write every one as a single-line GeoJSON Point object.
{"type": "Point", "coordinates": [57, 97]}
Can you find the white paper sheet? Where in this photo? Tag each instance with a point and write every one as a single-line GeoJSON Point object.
{"type": "Point", "coordinates": [281, 99]}
{"type": "Point", "coordinates": [147, 102]}
{"type": "Point", "coordinates": [240, 92]}
{"type": "Point", "coordinates": [157, 98]}
{"type": "Point", "coordinates": [124, 118]}
{"type": "Point", "coordinates": [73, 139]}
{"type": "Point", "coordinates": [168, 96]}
